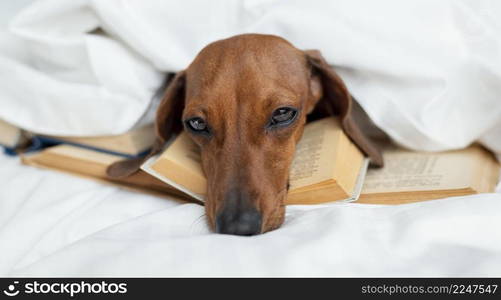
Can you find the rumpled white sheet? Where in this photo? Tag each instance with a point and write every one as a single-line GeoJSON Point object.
{"type": "Point", "coordinates": [52, 224]}
{"type": "Point", "coordinates": [426, 71]}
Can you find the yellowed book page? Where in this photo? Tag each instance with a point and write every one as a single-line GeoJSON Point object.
{"type": "Point", "coordinates": [314, 161]}
{"type": "Point", "coordinates": [181, 164]}
{"type": "Point", "coordinates": [147, 169]}
{"type": "Point", "coordinates": [315, 155]}
{"type": "Point", "coordinates": [410, 197]}
{"type": "Point", "coordinates": [90, 163]}
{"type": "Point", "coordinates": [139, 182]}
{"type": "Point", "coordinates": [407, 171]}
{"type": "Point", "coordinates": [486, 174]}
{"type": "Point", "coordinates": [75, 160]}
{"type": "Point", "coordinates": [9, 134]}
{"type": "Point", "coordinates": [133, 142]}
{"type": "Point", "coordinates": [346, 166]}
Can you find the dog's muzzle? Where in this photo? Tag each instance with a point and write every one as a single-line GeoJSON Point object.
{"type": "Point", "coordinates": [238, 217]}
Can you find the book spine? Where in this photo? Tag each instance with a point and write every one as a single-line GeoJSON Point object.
{"type": "Point", "coordinates": [45, 142]}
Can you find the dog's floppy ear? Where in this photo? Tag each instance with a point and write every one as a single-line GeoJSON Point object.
{"type": "Point", "coordinates": [170, 111]}
{"type": "Point", "coordinates": [329, 93]}
{"type": "Point", "coordinates": [167, 123]}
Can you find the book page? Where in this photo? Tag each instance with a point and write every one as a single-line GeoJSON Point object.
{"type": "Point", "coordinates": [147, 167]}
{"type": "Point", "coordinates": [9, 134]}
{"type": "Point", "coordinates": [405, 170]}
{"type": "Point", "coordinates": [181, 164]}
{"type": "Point", "coordinates": [91, 164]}
{"type": "Point", "coordinates": [315, 153]}
{"type": "Point", "coordinates": [314, 161]}
{"type": "Point", "coordinates": [306, 163]}
{"type": "Point", "coordinates": [132, 142]}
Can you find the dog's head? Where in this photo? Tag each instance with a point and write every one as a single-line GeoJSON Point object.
{"type": "Point", "coordinates": [244, 102]}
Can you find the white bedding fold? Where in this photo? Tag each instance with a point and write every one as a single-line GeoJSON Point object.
{"type": "Point", "coordinates": [52, 224]}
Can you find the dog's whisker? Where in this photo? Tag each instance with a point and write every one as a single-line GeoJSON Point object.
{"type": "Point", "coordinates": [197, 221]}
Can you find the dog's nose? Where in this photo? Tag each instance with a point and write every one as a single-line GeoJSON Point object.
{"type": "Point", "coordinates": [239, 222]}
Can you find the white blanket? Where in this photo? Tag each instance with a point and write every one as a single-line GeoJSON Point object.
{"type": "Point", "coordinates": [52, 224]}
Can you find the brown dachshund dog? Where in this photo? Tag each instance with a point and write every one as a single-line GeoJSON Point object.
{"type": "Point", "coordinates": [244, 101]}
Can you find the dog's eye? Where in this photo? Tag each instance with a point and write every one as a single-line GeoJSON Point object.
{"type": "Point", "coordinates": [197, 124]}
{"type": "Point", "coordinates": [283, 116]}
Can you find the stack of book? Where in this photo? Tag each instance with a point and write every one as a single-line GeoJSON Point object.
{"type": "Point", "coordinates": [327, 167]}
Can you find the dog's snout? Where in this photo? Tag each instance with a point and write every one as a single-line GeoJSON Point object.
{"type": "Point", "coordinates": [239, 222]}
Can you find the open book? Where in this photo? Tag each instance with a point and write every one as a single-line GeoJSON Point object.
{"type": "Point", "coordinates": [327, 166]}
{"type": "Point", "coordinates": [134, 143]}
{"type": "Point", "coordinates": [92, 164]}
{"type": "Point", "coordinates": [410, 176]}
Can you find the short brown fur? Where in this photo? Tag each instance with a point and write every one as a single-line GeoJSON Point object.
{"type": "Point", "coordinates": [235, 84]}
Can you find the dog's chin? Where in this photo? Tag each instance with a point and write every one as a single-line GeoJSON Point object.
{"type": "Point", "coordinates": [275, 213]}
{"type": "Point", "coordinates": [275, 221]}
